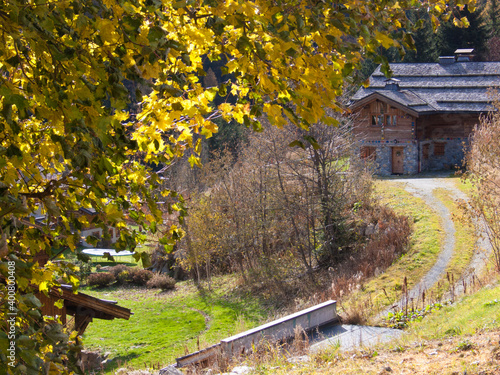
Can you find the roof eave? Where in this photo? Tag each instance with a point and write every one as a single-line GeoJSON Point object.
{"type": "Point", "coordinates": [457, 112]}
{"type": "Point", "coordinates": [108, 309]}
{"type": "Point", "coordinates": [376, 95]}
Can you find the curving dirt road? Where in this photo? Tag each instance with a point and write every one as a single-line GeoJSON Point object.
{"type": "Point", "coordinates": [423, 188]}
{"type": "Point", "coordinates": [347, 337]}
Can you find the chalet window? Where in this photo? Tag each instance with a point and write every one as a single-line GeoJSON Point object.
{"type": "Point", "coordinates": [391, 120]}
{"type": "Point", "coordinates": [383, 117]}
{"type": "Point", "coordinates": [377, 120]}
{"type": "Point", "coordinates": [439, 148]}
{"type": "Point", "coordinates": [425, 151]}
{"type": "Point", "coordinates": [368, 153]}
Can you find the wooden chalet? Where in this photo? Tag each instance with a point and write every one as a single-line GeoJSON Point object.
{"type": "Point", "coordinates": [420, 118]}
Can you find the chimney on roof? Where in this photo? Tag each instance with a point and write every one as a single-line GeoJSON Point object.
{"type": "Point", "coordinates": [392, 84]}
{"type": "Point", "coordinates": [461, 55]}
{"type": "Point", "coordinates": [445, 60]}
{"type": "Point", "coordinates": [464, 54]}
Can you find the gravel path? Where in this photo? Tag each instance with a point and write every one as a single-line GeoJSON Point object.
{"type": "Point", "coordinates": [347, 337]}
{"type": "Point", "coordinates": [423, 188]}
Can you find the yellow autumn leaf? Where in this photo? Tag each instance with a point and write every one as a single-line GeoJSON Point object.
{"type": "Point", "coordinates": [107, 31]}
{"type": "Point", "coordinates": [384, 40]}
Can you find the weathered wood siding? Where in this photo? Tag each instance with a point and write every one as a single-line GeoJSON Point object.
{"type": "Point", "coordinates": [49, 309]}
{"type": "Point", "coordinates": [445, 126]}
{"type": "Point", "coordinates": [365, 130]}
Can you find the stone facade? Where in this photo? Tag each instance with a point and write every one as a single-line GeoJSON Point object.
{"type": "Point", "coordinates": [451, 159]}
{"type": "Point", "coordinates": [383, 156]}
{"type": "Point", "coordinates": [426, 153]}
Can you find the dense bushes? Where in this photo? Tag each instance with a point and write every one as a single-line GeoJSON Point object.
{"type": "Point", "coordinates": [101, 279]}
{"type": "Point", "coordinates": [123, 275]}
{"type": "Point", "coordinates": [293, 221]}
{"type": "Point", "coordinates": [141, 277]}
{"type": "Point", "coordinates": [132, 276]}
{"type": "Point", "coordinates": [161, 281]}
{"type": "Point", "coordinates": [278, 210]}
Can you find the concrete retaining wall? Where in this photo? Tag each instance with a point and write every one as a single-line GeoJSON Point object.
{"type": "Point", "coordinates": [281, 329]}
{"type": "Point", "coordinates": [199, 356]}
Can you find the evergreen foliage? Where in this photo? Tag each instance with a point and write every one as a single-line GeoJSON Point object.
{"type": "Point", "coordinates": [452, 37]}
{"type": "Point", "coordinates": [491, 15]}
{"type": "Point", "coordinates": [425, 38]}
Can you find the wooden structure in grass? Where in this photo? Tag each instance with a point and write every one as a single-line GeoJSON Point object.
{"type": "Point", "coordinates": [82, 307]}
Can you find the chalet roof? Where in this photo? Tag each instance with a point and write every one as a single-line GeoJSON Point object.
{"type": "Point", "coordinates": [88, 211]}
{"type": "Point", "coordinates": [435, 88]}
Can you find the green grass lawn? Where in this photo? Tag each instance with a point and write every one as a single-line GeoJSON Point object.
{"type": "Point", "coordinates": [166, 325]}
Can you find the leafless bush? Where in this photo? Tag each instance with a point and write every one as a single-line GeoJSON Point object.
{"type": "Point", "coordinates": [483, 161]}
{"type": "Point", "coordinates": [161, 281]}
{"type": "Point", "coordinates": [130, 275]}
{"type": "Point", "coordinates": [278, 212]}
{"type": "Point", "coordinates": [101, 279]}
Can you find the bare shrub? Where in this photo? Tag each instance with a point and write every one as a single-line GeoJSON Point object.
{"type": "Point", "coordinates": [101, 279]}
{"type": "Point", "coordinates": [119, 268]}
{"type": "Point", "coordinates": [124, 277]}
{"type": "Point", "coordinates": [300, 343]}
{"type": "Point", "coordinates": [131, 275]}
{"type": "Point", "coordinates": [387, 244]}
{"type": "Point", "coordinates": [483, 161]}
{"type": "Point", "coordinates": [278, 212]}
{"type": "Point", "coordinates": [140, 276]}
{"type": "Point", "coordinates": [357, 314]}
{"type": "Point", "coordinates": [161, 281]}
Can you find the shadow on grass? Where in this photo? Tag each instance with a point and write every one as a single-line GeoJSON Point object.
{"type": "Point", "coordinates": [238, 301]}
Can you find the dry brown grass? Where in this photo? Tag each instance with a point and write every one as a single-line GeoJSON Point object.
{"type": "Point", "coordinates": [473, 354]}
{"type": "Point", "coordinates": [477, 354]}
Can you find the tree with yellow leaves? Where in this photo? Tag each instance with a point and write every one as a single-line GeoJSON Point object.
{"type": "Point", "coordinates": [68, 141]}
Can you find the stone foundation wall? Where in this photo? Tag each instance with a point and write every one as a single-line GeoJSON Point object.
{"type": "Point", "coordinates": [452, 158]}
{"type": "Point", "coordinates": [383, 160]}
{"type": "Point", "coordinates": [453, 154]}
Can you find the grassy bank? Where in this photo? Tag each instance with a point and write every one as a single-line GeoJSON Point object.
{"type": "Point", "coordinates": [166, 325]}
{"type": "Point", "coordinates": [465, 240]}
{"type": "Point", "coordinates": [461, 338]}
{"type": "Point", "coordinates": [423, 250]}
{"type": "Point", "coordinates": [472, 314]}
